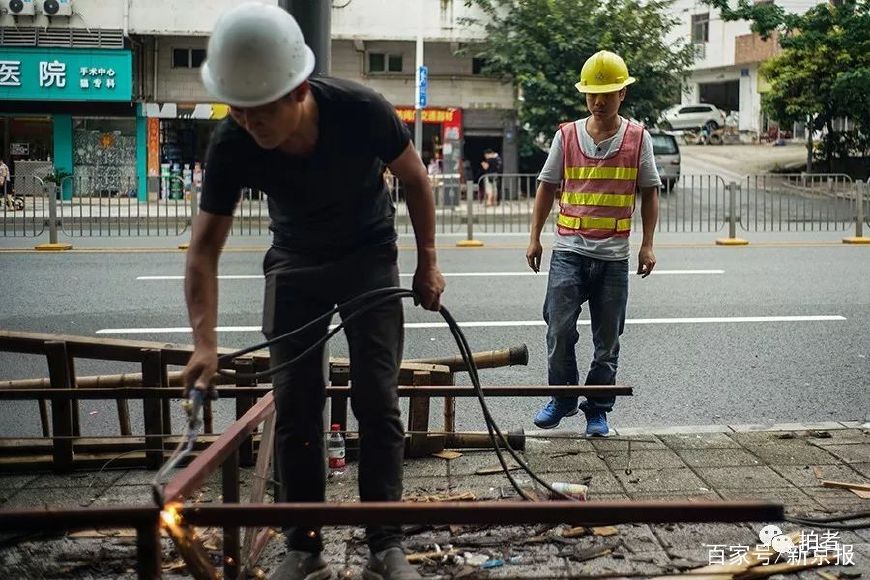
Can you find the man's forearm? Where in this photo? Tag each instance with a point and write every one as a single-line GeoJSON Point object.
{"type": "Point", "coordinates": [544, 198]}
{"type": "Point", "coordinates": [201, 294]}
{"type": "Point", "coordinates": [421, 209]}
{"type": "Point", "coordinates": [649, 212]}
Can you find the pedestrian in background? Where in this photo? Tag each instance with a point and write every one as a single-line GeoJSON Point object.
{"type": "Point", "coordinates": [5, 185]}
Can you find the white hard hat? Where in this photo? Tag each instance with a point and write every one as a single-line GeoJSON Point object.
{"type": "Point", "coordinates": [256, 55]}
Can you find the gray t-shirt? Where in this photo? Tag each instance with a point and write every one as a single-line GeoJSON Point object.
{"type": "Point", "coordinates": [647, 176]}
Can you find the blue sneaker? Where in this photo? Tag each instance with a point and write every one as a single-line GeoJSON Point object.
{"type": "Point", "coordinates": [554, 412]}
{"type": "Point", "coordinates": [596, 421]}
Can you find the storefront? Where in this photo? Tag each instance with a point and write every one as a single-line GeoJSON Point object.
{"type": "Point", "coordinates": [178, 135]}
{"type": "Point", "coordinates": [70, 111]}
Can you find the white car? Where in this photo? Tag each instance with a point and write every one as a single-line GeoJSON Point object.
{"type": "Point", "coordinates": [681, 117]}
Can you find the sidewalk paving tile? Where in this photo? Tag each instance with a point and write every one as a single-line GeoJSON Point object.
{"type": "Point", "coordinates": [842, 437]}
{"type": "Point", "coordinates": [699, 441]}
{"type": "Point", "coordinates": [601, 482]}
{"type": "Point", "coordinates": [807, 475]}
{"type": "Point", "coordinates": [718, 457]}
{"type": "Point", "coordinates": [126, 495]}
{"type": "Point", "coordinates": [558, 440]}
{"type": "Point", "coordinates": [468, 464]}
{"type": "Point", "coordinates": [836, 500]}
{"type": "Point", "coordinates": [427, 467]}
{"type": "Point", "coordinates": [594, 496]}
{"type": "Point", "coordinates": [797, 453]}
{"type": "Point", "coordinates": [673, 430]}
{"type": "Point", "coordinates": [661, 480]}
{"type": "Point", "coordinates": [89, 479]}
{"type": "Point", "coordinates": [484, 486]}
{"type": "Point", "coordinates": [693, 496]}
{"type": "Point", "coordinates": [857, 453]}
{"type": "Point", "coordinates": [621, 443]}
{"type": "Point", "coordinates": [790, 497]}
{"type": "Point", "coordinates": [653, 564]}
{"type": "Point", "coordinates": [580, 461]}
{"type": "Point", "coordinates": [14, 482]}
{"type": "Point", "coordinates": [862, 468]}
{"type": "Point", "coordinates": [742, 477]}
{"type": "Point", "coordinates": [643, 459]}
{"type": "Point", "coordinates": [769, 427]}
{"type": "Point", "coordinates": [54, 497]}
{"type": "Point", "coordinates": [692, 536]}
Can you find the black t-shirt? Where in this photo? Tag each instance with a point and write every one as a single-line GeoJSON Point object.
{"type": "Point", "coordinates": [333, 200]}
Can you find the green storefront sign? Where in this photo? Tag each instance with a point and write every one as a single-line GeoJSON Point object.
{"type": "Point", "coordinates": [65, 74]}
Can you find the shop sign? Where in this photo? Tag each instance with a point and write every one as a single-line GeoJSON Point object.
{"type": "Point", "coordinates": [19, 148]}
{"type": "Point", "coordinates": [65, 74]}
{"type": "Point", "coordinates": [431, 115]}
{"type": "Point", "coordinates": [153, 147]}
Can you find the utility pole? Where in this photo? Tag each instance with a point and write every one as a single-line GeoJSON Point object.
{"type": "Point", "coordinates": [314, 18]}
{"type": "Point", "coordinates": [422, 81]}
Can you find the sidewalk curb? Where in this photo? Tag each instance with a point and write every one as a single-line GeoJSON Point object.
{"type": "Point", "coordinates": [701, 429]}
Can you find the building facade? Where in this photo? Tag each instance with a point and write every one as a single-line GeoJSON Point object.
{"type": "Point", "coordinates": [110, 91]}
{"type": "Point", "coordinates": [729, 54]}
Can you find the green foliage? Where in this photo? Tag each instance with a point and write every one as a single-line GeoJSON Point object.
{"type": "Point", "coordinates": [540, 46]}
{"type": "Point", "coordinates": [57, 176]}
{"type": "Point", "coordinates": [823, 72]}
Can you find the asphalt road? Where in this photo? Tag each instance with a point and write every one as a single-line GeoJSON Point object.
{"type": "Point", "coordinates": [688, 349]}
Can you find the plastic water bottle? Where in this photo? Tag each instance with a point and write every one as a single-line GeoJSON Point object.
{"type": "Point", "coordinates": [335, 448]}
{"type": "Point", "coordinates": [574, 490]}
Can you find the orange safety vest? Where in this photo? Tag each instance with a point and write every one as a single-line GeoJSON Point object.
{"type": "Point", "coordinates": [598, 195]}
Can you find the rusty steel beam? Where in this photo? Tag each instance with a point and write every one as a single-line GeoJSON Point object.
{"type": "Point", "coordinates": [332, 391]}
{"type": "Point", "coordinates": [70, 519]}
{"type": "Point", "coordinates": [108, 348]}
{"type": "Point", "coordinates": [496, 513]}
{"type": "Point", "coordinates": [210, 460]}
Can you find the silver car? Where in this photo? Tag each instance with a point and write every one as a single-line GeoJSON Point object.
{"type": "Point", "coordinates": [667, 156]}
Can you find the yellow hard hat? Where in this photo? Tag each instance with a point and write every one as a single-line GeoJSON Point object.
{"type": "Point", "coordinates": [604, 72]}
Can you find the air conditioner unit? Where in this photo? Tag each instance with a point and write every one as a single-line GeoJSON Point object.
{"type": "Point", "coordinates": [22, 7]}
{"type": "Point", "coordinates": [57, 7]}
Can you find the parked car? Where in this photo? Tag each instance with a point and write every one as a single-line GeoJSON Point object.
{"type": "Point", "coordinates": [667, 156]}
{"type": "Point", "coordinates": [681, 117]}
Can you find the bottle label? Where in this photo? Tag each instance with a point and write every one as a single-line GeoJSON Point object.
{"type": "Point", "coordinates": [336, 458]}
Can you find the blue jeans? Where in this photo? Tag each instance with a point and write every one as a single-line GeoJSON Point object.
{"type": "Point", "coordinates": [575, 279]}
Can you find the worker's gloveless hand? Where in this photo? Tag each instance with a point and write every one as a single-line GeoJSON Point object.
{"type": "Point", "coordinates": [646, 261]}
{"type": "Point", "coordinates": [429, 284]}
{"type": "Point", "coordinates": [200, 369]}
{"type": "Point", "coordinates": [533, 255]}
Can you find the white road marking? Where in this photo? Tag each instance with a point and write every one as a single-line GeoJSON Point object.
{"type": "Point", "coordinates": [511, 323]}
{"type": "Point", "coordinates": [445, 274]}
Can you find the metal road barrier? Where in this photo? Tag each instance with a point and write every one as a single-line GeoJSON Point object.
{"type": "Point", "coordinates": [85, 207]}
{"type": "Point", "coordinates": [100, 208]}
{"type": "Point", "coordinates": [23, 207]}
{"type": "Point", "coordinates": [797, 202]}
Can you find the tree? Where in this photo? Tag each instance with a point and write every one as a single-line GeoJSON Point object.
{"type": "Point", "coordinates": [540, 46]}
{"type": "Point", "coordinates": [823, 72]}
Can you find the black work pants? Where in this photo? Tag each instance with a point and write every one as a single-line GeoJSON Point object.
{"type": "Point", "coordinates": [299, 288]}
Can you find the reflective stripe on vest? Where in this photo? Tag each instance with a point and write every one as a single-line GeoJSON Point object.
{"type": "Point", "coordinates": [621, 173]}
{"type": "Point", "coordinates": [594, 223]}
{"type": "Point", "coordinates": [602, 199]}
{"type": "Point", "coordinates": [598, 195]}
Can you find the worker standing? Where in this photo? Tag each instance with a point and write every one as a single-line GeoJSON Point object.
{"type": "Point", "coordinates": [599, 162]}
{"type": "Point", "coordinates": [317, 148]}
